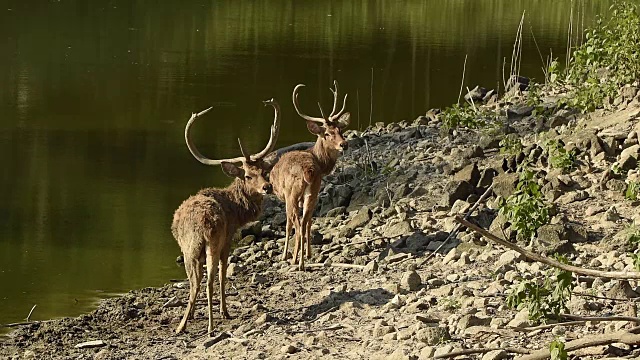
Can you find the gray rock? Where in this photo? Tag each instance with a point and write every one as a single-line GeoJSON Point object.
{"type": "Point", "coordinates": [258, 279]}
{"type": "Point", "coordinates": [505, 184]}
{"type": "Point", "coordinates": [411, 281]}
{"type": "Point", "coordinates": [476, 95]}
{"type": "Point", "coordinates": [398, 229]}
{"type": "Point", "coordinates": [337, 211]}
{"type": "Point", "coordinates": [495, 355]}
{"type": "Point", "coordinates": [486, 177]}
{"type": "Point", "coordinates": [629, 157]}
{"type": "Point", "coordinates": [456, 190]}
{"type": "Point", "coordinates": [469, 173]}
{"type": "Point", "coordinates": [289, 349]}
{"type": "Point", "coordinates": [371, 267]}
{"type": "Point", "coordinates": [360, 219]}
{"type": "Point", "coordinates": [252, 228]}
{"type": "Point", "coordinates": [433, 335]}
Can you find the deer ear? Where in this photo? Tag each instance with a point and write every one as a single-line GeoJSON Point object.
{"type": "Point", "coordinates": [231, 170]}
{"type": "Point", "coordinates": [314, 128]}
{"type": "Point", "coordinates": [344, 120]}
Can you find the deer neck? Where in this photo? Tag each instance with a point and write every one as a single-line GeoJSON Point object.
{"type": "Point", "coordinates": [327, 158]}
{"type": "Point", "coordinates": [247, 205]}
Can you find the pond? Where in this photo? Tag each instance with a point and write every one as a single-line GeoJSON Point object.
{"type": "Point", "coordinates": [95, 96]}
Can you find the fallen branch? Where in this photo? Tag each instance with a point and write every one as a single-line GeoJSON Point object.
{"type": "Point", "coordinates": [548, 326]}
{"type": "Point", "coordinates": [23, 323]}
{"type": "Point", "coordinates": [456, 229]}
{"type": "Point", "coordinates": [600, 318]}
{"type": "Point", "coordinates": [588, 341]}
{"type": "Point", "coordinates": [328, 328]}
{"type": "Point", "coordinates": [481, 351]}
{"type": "Point", "coordinates": [337, 265]}
{"type": "Point", "coordinates": [625, 275]}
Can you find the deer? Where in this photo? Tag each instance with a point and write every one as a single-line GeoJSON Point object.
{"type": "Point", "coordinates": [204, 224]}
{"type": "Point", "coordinates": [297, 176]}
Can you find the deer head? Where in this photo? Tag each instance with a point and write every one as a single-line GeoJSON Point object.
{"type": "Point", "coordinates": [250, 169]}
{"type": "Point", "coordinates": [328, 129]}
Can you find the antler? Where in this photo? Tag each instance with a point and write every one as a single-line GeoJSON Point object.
{"type": "Point", "coordinates": [295, 105]}
{"type": "Point", "coordinates": [332, 117]}
{"type": "Point", "coordinates": [275, 130]}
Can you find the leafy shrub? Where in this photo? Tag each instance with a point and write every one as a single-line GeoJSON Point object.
{"type": "Point", "coordinates": [559, 157]}
{"type": "Point", "coordinates": [633, 191]}
{"type": "Point", "coordinates": [461, 116]}
{"type": "Point", "coordinates": [510, 145]}
{"type": "Point", "coordinates": [546, 301]}
{"type": "Point", "coordinates": [557, 351]}
{"type": "Point", "coordinates": [607, 59]}
{"type": "Point", "coordinates": [526, 209]}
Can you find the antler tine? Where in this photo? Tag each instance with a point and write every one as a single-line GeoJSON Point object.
{"type": "Point", "coordinates": [247, 158]}
{"type": "Point", "coordinates": [275, 130]}
{"type": "Point", "coordinates": [192, 147]}
{"type": "Point", "coordinates": [296, 106]}
{"type": "Point", "coordinates": [344, 104]}
{"type": "Point", "coordinates": [335, 98]}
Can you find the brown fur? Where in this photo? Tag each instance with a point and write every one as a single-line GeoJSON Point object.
{"type": "Point", "coordinates": [204, 225]}
{"type": "Point", "coordinates": [296, 179]}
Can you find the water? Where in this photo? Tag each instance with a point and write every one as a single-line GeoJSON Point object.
{"type": "Point", "coordinates": [95, 96]}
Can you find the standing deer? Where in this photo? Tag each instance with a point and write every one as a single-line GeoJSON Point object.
{"type": "Point", "coordinates": [297, 176]}
{"type": "Point", "coordinates": [205, 223]}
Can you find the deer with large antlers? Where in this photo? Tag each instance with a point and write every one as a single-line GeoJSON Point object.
{"type": "Point", "coordinates": [205, 223]}
{"type": "Point", "coordinates": [297, 176]}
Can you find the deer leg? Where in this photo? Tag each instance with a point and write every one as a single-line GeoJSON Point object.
{"type": "Point", "coordinates": [194, 274]}
{"type": "Point", "coordinates": [293, 212]}
{"type": "Point", "coordinates": [310, 201]}
{"type": "Point", "coordinates": [212, 267]}
{"type": "Point", "coordinates": [224, 261]}
{"type": "Point", "coordinates": [285, 254]}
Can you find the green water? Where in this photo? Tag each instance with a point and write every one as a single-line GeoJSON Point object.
{"type": "Point", "coordinates": [94, 97]}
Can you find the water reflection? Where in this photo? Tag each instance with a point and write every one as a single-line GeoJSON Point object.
{"type": "Point", "coordinates": [95, 97]}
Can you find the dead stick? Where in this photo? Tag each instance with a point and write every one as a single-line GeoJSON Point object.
{"type": "Point", "coordinates": [587, 341]}
{"type": "Point", "coordinates": [31, 312]}
{"type": "Point", "coordinates": [455, 230]}
{"type": "Point", "coordinates": [548, 326]}
{"type": "Point", "coordinates": [600, 318]}
{"type": "Point", "coordinates": [328, 328]}
{"type": "Point", "coordinates": [481, 351]}
{"type": "Point", "coordinates": [338, 265]}
{"type": "Point", "coordinates": [626, 275]}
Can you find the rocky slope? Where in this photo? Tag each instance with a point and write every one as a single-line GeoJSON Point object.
{"type": "Point", "coordinates": [389, 204]}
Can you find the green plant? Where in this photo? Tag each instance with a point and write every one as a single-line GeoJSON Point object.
{"type": "Point", "coordinates": [633, 238]}
{"type": "Point", "coordinates": [451, 303]}
{"type": "Point", "coordinates": [544, 298]}
{"type": "Point", "coordinates": [559, 157]}
{"type": "Point", "coordinates": [608, 58]}
{"type": "Point", "coordinates": [633, 191]}
{"type": "Point", "coordinates": [461, 116]}
{"type": "Point", "coordinates": [510, 145]}
{"type": "Point", "coordinates": [557, 350]}
{"type": "Point", "coordinates": [526, 208]}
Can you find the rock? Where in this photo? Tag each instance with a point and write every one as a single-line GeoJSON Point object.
{"type": "Point", "coordinates": [557, 120]}
{"type": "Point", "coordinates": [629, 157]}
{"type": "Point", "coordinates": [398, 229]}
{"type": "Point", "coordinates": [360, 219]}
{"type": "Point", "coordinates": [426, 353]}
{"type": "Point", "coordinates": [452, 255]}
{"type": "Point", "coordinates": [517, 82]}
{"type": "Point", "coordinates": [469, 173]}
{"type": "Point", "coordinates": [91, 344]}
{"type": "Point", "coordinates": [477, 94]}
{"type": "Point", "coordinates": [495, 355]}
{"type": "Point", "coordinates": [572, 197]}
{"type": "Point", "coordinates": [247, 240]}
{"type": "Point", "coordinates": [469, 320]}
{"type": "Point", "coordinates": [611, 214]}
{"type": "Point", "coordinates": [456, 190]}
{"type": "Point", "coordinates": [520, 320]}
{"type": "Point", "coordinates": [340, 210]}
{"type": "Point", "coordinates": [433, 335]}
{"type": "Point", "coordinates": [505, 184]}
{"type": "Point", "coordinates": [337, 196]}
{"type": "Point", "coordinates": [252, 228]}
{"type": "Point", "coordinates": [371, 267]}
{"type": "Point", "coordinates": [234, 269]}
{"type": "Point", "coordinates": [509, 257]}
{"type": "Point", "coordinates": [519, 112]}
{"type": "Point", "coordinates": [264, 318]}
{"type": "Point", "coordinates": [411, 281]}
{"type": "Point", "coordinates": [258, 279]}
{"type": "Point", "coordinates": [459, 207]}
{"type": "Point", "coordinates": [486, 177]}
{"type": "Point", "coordinates": [289, 349]}
{"type": "Point", "coordinates": [628, 92]}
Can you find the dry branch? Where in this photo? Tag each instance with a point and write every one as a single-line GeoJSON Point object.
{"type": "Point", "coordinates": [600, 318]}
{"type": "Point", "coordinates": [481, 351]}
{"type": "Point", "coordinates": [588, 341]}
{"type": "Point", "coordinates": [337, 265]}
{"type": "Point", "coordinates": [625, 275]}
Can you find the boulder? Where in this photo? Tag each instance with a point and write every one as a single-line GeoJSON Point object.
{"type": "Point", "coordinates": [456, 190]}
{"type": "Point", "coordinates": [469, 173]}
{"type": "Point", "coordinates": [505, 184]}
